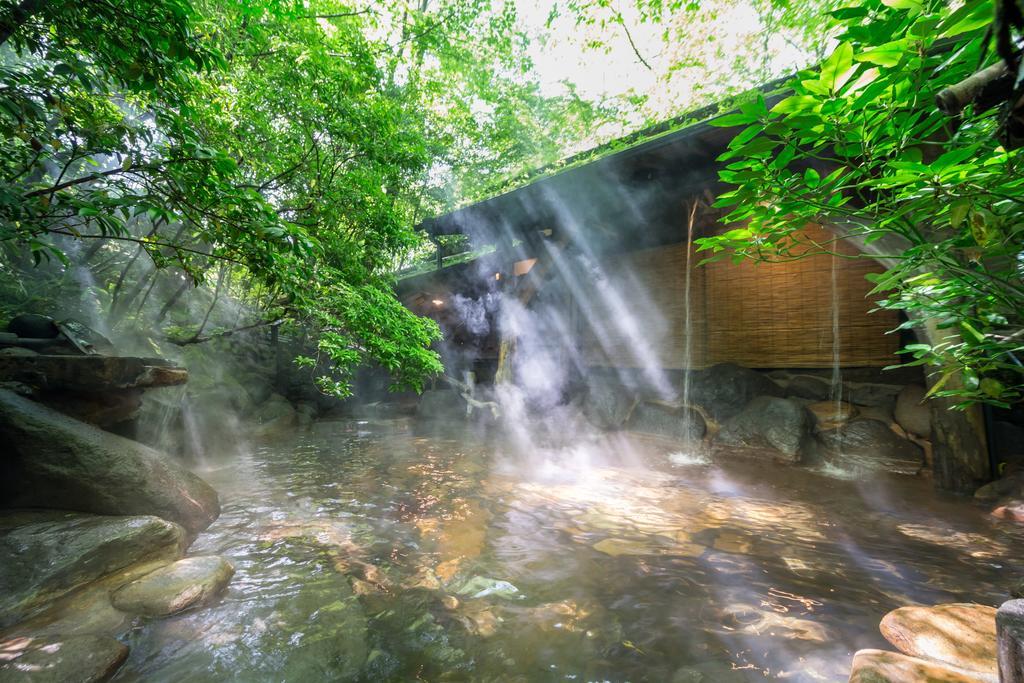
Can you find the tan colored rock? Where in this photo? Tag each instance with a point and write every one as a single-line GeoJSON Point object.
{"type": "Point", "coordinates": [830, 414]}
{"type": "Point", "coordinates": [878, 666]}
{"type": "Point", "coordinates": [186, 583]}
{"type": "Point", "coordinates": [58, 659]}
{"type": "Point", "coordinates": [1014, 512]}
{"type": "Point", "coordinates": [959, 634]}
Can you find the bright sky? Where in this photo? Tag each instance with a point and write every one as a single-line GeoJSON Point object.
{"type": "Point", "coordinates": [727, 39]}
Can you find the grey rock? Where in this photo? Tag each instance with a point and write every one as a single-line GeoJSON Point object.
{"type": "Point", "coordinates": [331, 645]}
{"type": "Point", "coordinates": [1009, 486]}
{"type": "Point", "coordinates": [1010, 641]}
{"type": "Point", "coordinates": [46, 554]}
{"type": "Point", "coordinates": [187, 583]}
{"type": "Point", "coordinates": [608, 403]}
{"type": "Point", "coordinates": [441, 404]}
{"type": "Point", "coordinates": [871, 394]}
{"type": "Point", "coordinates": [275, 416]}
{"type": "Point", "coordinates": [769, 423]}
{"type": "Point", "coordinates": [809, 386]}
{"type": "Point", "coordinates": [912, 410]}
{"type": "Point", "coordinates": [53, 461]}
{"type": "Point", "coordinates": [724, 389]}
{"type": "Point", "coordinates": [679, 424]}
{"type": "Point", "coordinates": [61, 659]}
{"type": "Point", "coordinates": [870, 446]}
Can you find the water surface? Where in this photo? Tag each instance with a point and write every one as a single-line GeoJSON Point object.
{"type": "Point", "coordinates": [369, 551]}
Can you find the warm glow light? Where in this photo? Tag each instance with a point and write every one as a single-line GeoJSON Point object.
{"type": "Point", "coordinates": [497, 276]}
{"type": "Point", "coordinates": [438, 302]}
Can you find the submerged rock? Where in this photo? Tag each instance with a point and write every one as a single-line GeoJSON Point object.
{"type": "Point", "coordinates": [44, 554]}
{"type": "Point", "coordinates": [186, 583]}
{"type": "Point", "coordinates": [482, 587]}
{"type": "Point", "coordinates": [769, 423]}
{"type": "Point", "coordinates": [60, 659]}
{"type": "Point", "coordinates": [871, 446]}
{"type": "Point", "coordinates": [53, 461]}
{"type": "Point", "coordinates": [725, 389]}
{"type": "Point", "coordinates": [962, 635]}
{"type": "Point", "coordinates": [912, 411]}
{"type": "Point", "coordinates": [878, 666]}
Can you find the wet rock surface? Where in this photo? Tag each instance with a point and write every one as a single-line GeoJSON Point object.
{"type": "Point", "coordinates": [810, 387]}
{"type": "Point", "coordinates": [870, 445]}
{"type": "Point", "coordinates": [962, 635]}
{"type": "Point", "coordinates": [44, 555]}
{"type": "Point", "coordinates": [187, 583]}
{"type": "Point", "coordinates": [830, 414]}
{"type": "Point", "coordinates": [771, 423]}
{"type": "Point", "coordinates": [912, 411]}
{"type": "Point", "coordinates": [679, 424]}
{"type": "Point", "coordinates": [60, 659]}
{"type": "Point", "coordinates": [878, 666]}
{"type": "Point", "coordinates": [608, 404]}
{"type": "Point", "coordinates": [1010, 637]}
{"type": "Point", "coordinates": [725, 389]}
{"type": "Point", "coordinates": [54, 461]}
{"type": "Point", "coordinates": [274, 417]}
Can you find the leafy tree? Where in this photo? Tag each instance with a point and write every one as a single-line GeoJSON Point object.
{"type": "Point", "coordinates": [275, 151]}
{"type": "Point", "coordinates": [858, 146]}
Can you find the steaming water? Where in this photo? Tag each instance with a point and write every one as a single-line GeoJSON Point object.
{"type": "Point", "coordinates": [435, 557]}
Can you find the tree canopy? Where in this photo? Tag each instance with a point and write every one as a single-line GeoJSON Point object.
{"type": "Point", "coordinates": [860, 146]}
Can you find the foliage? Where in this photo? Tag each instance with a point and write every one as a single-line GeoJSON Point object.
{"type": "Point", "coordinates": [277, 152]}
{"type": "Point", "coordinates": [859, 147]}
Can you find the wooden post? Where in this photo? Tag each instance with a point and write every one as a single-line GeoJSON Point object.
{"type": "Point", "coordinates": [1010, 641]}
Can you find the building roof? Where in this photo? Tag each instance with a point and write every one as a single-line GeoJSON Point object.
{"type": "Point", "coordinates": [634, 187]}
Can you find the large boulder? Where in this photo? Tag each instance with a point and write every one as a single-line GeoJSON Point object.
{"type": "Point", "coordinates": [962, 635]}
{"type": "Point", "coordinates": [50, 460]}
{"type": "Point", "coordinates": [871, 393]}
{"type": "Point", "coordinates": [679, 424]}
{"type": "Point", "coordinates": [912, 411]}
{"type": "Point", "coordinates": [275, 416]}
{"type": "Point", "coordinates": [871, 446]}
{"type": "Point", "coordinates": [878, 666]}
{"type": "Point", "coordinates": [768, 423]}
{"type": "Point", "coordinates": [60, 659]}
{"type": "Point", "coordinates": [46, 554]}
{"type": "Point", "coordinates": [725, 389]}
{"type": "Point", "coordinates": [190, 582]}
{"type": "Point", "coordinates": [811, 387]}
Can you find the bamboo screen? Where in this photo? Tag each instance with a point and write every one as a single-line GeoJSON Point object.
{"type": "Point", "coordinates": [653, 282]}
{"type": "Point", "coordinates": [755, 314]}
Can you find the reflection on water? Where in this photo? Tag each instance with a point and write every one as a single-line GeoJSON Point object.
{"type": "Point", "coordinates": [365, 551]}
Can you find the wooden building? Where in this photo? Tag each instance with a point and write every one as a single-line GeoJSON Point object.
{"type": "Point", "coordinates": [630, 212]}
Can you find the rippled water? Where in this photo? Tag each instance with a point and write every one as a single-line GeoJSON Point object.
{"type": "Point", "coordinates": [367, 551]}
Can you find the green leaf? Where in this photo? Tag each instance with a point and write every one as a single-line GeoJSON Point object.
{"type": "Point", "coordinates": [914, 7]}
{"type": "Point", "coordinates": [836, 70]}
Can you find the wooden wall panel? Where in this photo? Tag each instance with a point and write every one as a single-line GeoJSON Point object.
{"type": "Point", "coordinates": [764, 315]}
